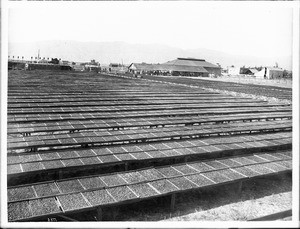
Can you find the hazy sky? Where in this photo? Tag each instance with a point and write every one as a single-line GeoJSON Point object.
{"type": "Point", "coordinates": [236, 28]}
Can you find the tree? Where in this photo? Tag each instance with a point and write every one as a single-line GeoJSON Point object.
{"type": "Point", "coordinates": [287, 74]}
{"type": "Point", "coordinates": [54, 61]}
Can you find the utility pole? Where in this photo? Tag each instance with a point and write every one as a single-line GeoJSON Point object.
{"type": "Point", "coordinates": [38, 55]}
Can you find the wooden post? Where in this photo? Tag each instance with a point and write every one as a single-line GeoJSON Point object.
{"type": "Point", "coordinates": [173, 200]}
{"type": "Point", "coordinates": [99, 214]}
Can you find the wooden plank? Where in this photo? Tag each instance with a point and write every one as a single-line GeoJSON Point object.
{"type": "Point", "coordinates": [18, 143]}
{"type": "Point", "coordinates": [68, 218]}
{"type": "Point", "coordinates": [60, 126]}
{"type": "Point", "coordinates": [92, 156]}
{"type": "Point", "coordinates": [274, 216]}
{"type": "Point", "coordinates": [134, 114]}
{"type": "Point", "coordinates": [59, 110]}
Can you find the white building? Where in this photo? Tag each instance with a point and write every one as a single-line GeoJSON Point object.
{"type": "Point", "coordinates": [269, 73]}
{"type": "Point", "coordinates": [233, 71]}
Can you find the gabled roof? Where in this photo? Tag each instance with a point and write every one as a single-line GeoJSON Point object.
{"type": "Point", "coordinates": [253, 70]}
{"type": "Point", "coordinates": [191, 62]}
{"type": "Point", "coordinates": [167, 67]}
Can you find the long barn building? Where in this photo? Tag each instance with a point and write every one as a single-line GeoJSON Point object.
{"type": "Point", "coordinates": [179, 66]}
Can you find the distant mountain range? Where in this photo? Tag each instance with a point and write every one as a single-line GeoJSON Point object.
{"type": "Point", "coordinates": [118, 52]}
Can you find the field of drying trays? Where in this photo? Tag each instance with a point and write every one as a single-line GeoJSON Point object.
{"type": "Point", "coordinates": [84, 146]}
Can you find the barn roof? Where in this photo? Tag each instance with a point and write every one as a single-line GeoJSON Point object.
{"type": "Point", "coordinates": [167, 67]}
{"type": "Point", "coordinates": [253, 70]}
{"type": "Point", "coordinates": [191, 62]}
{"type": "Point", "coordinates": [182, 68]}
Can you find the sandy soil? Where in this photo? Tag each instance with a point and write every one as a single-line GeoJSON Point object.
{"type": "Point", "coordinates": [243, 210]}
{"type": "Point", "coordinates": [286, 83]}
{"type": "Point", "coordinates": [238, 94]}
{"type": "Point", "coordinates": [258, 198]}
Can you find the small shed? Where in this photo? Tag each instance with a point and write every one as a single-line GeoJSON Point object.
{"type": "Point", "coordinates": [140, 68]}
{"type": "Point", "coordinates": [233, 70]}
{"type": "Point", "coordinates": [269, 73]}
{"type": "Point", "coordinates": [117, 68]}
{"type": "Point", "coordinates": [78, 67]}
{"type": "Point", "coordinates": [92, 68]}
{"type": "Point", "coordinates": [248, 71]}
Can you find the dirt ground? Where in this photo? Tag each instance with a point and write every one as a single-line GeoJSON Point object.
{"type": "Point", "coordinates": [279, 91]}
{"type": "Point", "coordinates": [258, 198]}
{"type": "Point", "coordinates": [243, 210]}
{"type": "Point", "coordinates": [286, 83]}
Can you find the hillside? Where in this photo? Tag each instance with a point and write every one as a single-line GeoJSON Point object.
{"type": "Point", "coordinates": [107, 52]}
